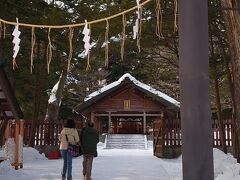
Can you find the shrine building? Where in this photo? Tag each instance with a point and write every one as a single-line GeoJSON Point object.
{"type": "Point", "coordinates": [128, 106]}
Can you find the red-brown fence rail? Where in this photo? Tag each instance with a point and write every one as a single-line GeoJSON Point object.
{"type": "Point", "coordinates": [172, 133]}
{"type": "Point", "coordinates": [173, 136]}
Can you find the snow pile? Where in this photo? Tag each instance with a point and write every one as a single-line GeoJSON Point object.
{"type": "Point", "coordinates": [7, 171]}
{"type": "Point", "coordinates": [1, 153]}
{"type": "Point", "coordinates": [101, 145]}
{"type": "Point", "coordinates": [6, 168]}
{"type": "Point", "coordinates": [32, 155]}
{"type": "Point", "coordinates": [9, 150]}
{"type": "Point", "coordinates": [149, 144]}
{"type": "Point", "coordinates": [225, 166]}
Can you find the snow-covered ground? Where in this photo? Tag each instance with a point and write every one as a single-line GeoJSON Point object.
{"type": "Point", "coordinates": [116, 164]}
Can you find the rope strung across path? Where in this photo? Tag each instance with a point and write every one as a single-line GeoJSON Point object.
{"type": "Point", "coordinates": [137, 29]}
{"type": "Point", "coordinates": [74, 25]}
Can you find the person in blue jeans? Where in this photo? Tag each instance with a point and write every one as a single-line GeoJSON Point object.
{"type": "Point", "coordinates": [69, 134]}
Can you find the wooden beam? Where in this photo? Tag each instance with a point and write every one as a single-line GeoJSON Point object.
{"type": "Point", "coordinates": [197, 148]}
{"type": "Point", "coordinates": [22, 135]}
{"type": "Point", "coordinates": [22, 128]}
{"type": "Point", "coordinates": [92, 116]}
{"type": "Point", "coordinates": [117, 125]}
{"type": "Point", "coordinates": [5, 107]}
{"type": "Point", "coordinates": [17, 145]}
{"type": "Point", "coordinates": [140, 115]}
{"type": "Point", "coordinates": [109, 122]}
{"type": "Point", "coordinates": [121, 109]}
{"type": "Point", "coordinates": [7, 131]}
{"type": "Point", "coordinates": [3, 100]}
{"type": "Point", "coordinates": [144, 122]}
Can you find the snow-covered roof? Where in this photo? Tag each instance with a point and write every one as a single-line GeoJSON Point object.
{"type": "Point", "coordinates": [138, 84]}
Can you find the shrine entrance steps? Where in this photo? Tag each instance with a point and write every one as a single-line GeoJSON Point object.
{"type": "Point", "coordinates": [126, 141]}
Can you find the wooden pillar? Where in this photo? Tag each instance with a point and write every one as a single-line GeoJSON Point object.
{"type": "Point", "coordinates": [92, 117]}
{"type": "Point", "coordinates": [109, 122]}
{"type": "Point", "coordinates": [22, 128]}
{"type": "Point", "coordinates": [99, 124]}
{"type": "Point", "coordinates": [144, 122]}
{"type": "Point", "coordinates": [95, 121]}
{"type": "Point", "coordinates": [7, 132]}
{"type": "Point", "coordinates": [117, 126]}
{"type": "Point", "coordinates": [197, 141]}
{"type": "Point", "coordinates": [16, 163]}
{"type": "Point", "coordinates": [22, 135]}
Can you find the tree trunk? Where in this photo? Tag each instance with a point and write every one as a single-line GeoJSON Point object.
{"type": "Point", "coordinates": [218, 99]}
{"type": "Point", "coordinates": [53, 107]}
{"type": "Point", "coordinates": [219, 112]}
{"type": "Point", "coordinates": [230, 82]}
{"type": "Point", "coordinates": [232, 23]}
{"type": "Point", "coordinates": [36, 100]}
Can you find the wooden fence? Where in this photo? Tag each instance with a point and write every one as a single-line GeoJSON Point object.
{"type": "Point", "coordinates": [172, 133]}
{"type": "Point", "coordinates": [55, 128]}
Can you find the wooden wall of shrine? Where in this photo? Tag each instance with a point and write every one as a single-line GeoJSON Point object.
{"type": "Point", "coordinates": [127, 98]}
{"type": "Point", "coordinates": [126, 110]}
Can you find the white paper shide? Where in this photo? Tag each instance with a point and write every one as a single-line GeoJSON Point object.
{"type": "Point", "coordinates": [136, 26]}
{"type": "Point", "coordinates": [16, 40]}
{"type": "Point", "coordinates": [86, 39]}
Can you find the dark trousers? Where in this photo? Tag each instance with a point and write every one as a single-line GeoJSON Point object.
{"type": "Point", "coordinates": [87, 165]}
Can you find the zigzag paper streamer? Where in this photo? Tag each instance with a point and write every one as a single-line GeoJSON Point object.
{"type": "Point", "coordinates": [16, 41]}
{"type": "Point", "coordinates": [86, 39]}
{"type": "Point", "coordinates": [136, 26]}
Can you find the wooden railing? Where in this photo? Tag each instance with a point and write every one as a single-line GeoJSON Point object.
{"type": "Point", "coordinates": [55, 128]}
{"type": "Point", "coordinates": [172, 133]}
{"type": "Point", "coordinates": [228, 133]}
{"type": "Point", "coordinates": [173, 136]}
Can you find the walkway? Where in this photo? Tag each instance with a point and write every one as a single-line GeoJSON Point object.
{"type": "Point", "coordinates": [111, 164]}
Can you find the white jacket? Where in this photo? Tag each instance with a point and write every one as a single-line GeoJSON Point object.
{"type": "Point", "coordinates": [72, 136]}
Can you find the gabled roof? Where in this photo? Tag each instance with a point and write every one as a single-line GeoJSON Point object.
{"type": "Point", "coordinates": [8, 101]}
{"type": "Point", "coordinates": [159, 96]}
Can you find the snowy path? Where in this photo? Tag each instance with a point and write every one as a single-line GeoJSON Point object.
{"type": "Point", "coordinates": [111, 164]}
{"type": "Point", "coordinates": [116, 164]}
{"type": "Point", "coordinates": [131, 165]}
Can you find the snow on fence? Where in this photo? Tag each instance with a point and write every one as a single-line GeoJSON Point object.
{"type": "Point", "coordinates": [172, 132]}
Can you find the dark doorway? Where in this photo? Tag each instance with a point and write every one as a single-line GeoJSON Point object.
{"type": "Point", "coordinates": [126, 125]}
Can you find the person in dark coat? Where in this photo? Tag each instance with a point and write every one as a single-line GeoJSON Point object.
{"type": "Point", "coordinates": [89, 140]}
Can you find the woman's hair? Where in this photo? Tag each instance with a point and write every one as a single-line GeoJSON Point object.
{"type": "Point", "coordinates": [70, 123]}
